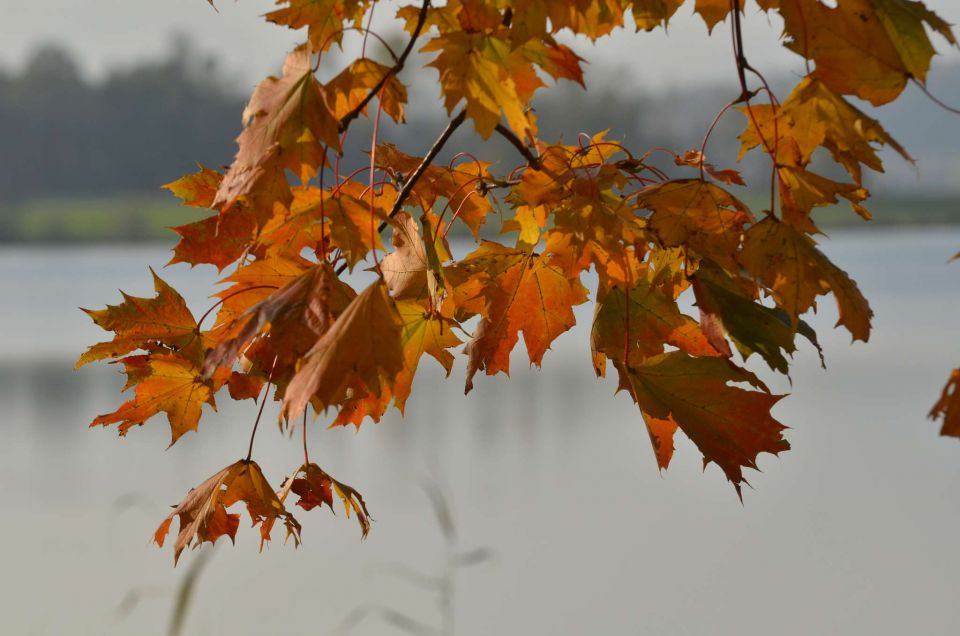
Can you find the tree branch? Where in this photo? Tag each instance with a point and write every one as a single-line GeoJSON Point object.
{"type": "Point", "coordinates": [394, 70]}
{"type": "Point", "coordinates": [738, 50]}
{"type": "Point", "coordinates": [418, 172]}
{"type": "Point", "coordinates": [532, 160]}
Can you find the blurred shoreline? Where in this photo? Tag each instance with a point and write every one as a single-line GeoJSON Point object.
{"type": "Point", "coordinates": [83, 160]}
{"type": "Point", "coordinates": [146, 219]}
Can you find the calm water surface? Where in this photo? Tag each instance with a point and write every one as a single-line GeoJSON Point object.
{"type": "Point", "coordinates": [852, 532]}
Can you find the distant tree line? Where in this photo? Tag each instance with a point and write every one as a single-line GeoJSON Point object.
{"type": "Point", "coordinates": [66, 138]}
{"type": "Point", "coordinates": [139, 127]}
{"type": "Point", "coordinates": [65, 135]}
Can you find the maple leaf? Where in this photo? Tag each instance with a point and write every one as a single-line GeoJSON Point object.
{"type": "Point", "coordinates": [218, 240]}
{"type": "Point", "coordinates": [407, 270]}
{"type": "Point", "coordinates": [244, 386]}
{"type": "Point", "coordinates": [197, 190]}
{"type": "Point", "coordinates": [480, 66]}
{"type": "Point", "coordinates": [325, 219]}
{"type": "Point", "coordinates": [286, 123]}
{"type": "Point", "coordinates": [203, 512]}
{"type": "Point", "coordinates": [729, 425]}
{"type": "Point", "coordinates": [649, 14]}
{"type": "Point", "coordinates": [654, 320]}
{"type": "Point", "coordinates": [522, 292]}
{"type": "Point", "coordinates": [361, 352]}
{"type": "Point", "coordinates": [753, 327]}
{"type": "Point", "coordinates": [324, 19]}
{"type": "Point", "coordinates": [796, 272]}
{"type": "Point", "coordinates": [697, 215]}
{"type": "Point", "coordinates": [948, 406]}
{"type": "Point", "coordinates": [300, 225]}
{"type": "Point", "coordinates": [294, 318]}
{"type": "Point", "coordinates": [472, 68]}
{"type": "Point", "coordinates": [315, 487]}
{"type": "Point", "coordinates": [251, 284]}
{"type": "Point", "coordinates": [802, 190]}
{"type": "Point", "coordinates": [165, 383]}
{"type": "Point", "coordinates": [351, 86]}
{"type": "Point", "coordinates": [713, 11]}
{"type": "Point", "coordinates": [424, 332]}
{"type": "Point", "coordinates": [350, 219]}
{"type": "Point", "coordinates": [816, 116]}
{"type": "Point", "coordinates": [152, 324]}
{"type": "Point", "coordinates": [867, 48]}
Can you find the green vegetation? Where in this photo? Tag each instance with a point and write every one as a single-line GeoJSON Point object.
{"type": "Point", "coordinates": [116, 218]}
{"type": "Point", "coordinates": [146, 218]}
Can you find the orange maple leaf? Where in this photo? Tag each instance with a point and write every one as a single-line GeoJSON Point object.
{"type": "Point", "coordinates": [796, 272]}
{"type": "Point", "coordinates": [867, 48]}
{"type": "Point", "coordinates": [286, 123]}
{"type": "Point", "coordinates": [203, 512]}
{"type": "Point", "coordinates": [521, 292]}
{"type": "Point", "coordinates": [729, 425]}
{"type": "Point", "coordinates": [165, 383]}
{"type": "Point", "coordinates": [315, 487]}
{"type": "Point", "coordinates": [152, 324]}
{"type": "Point", "coordinates": [361, 352]}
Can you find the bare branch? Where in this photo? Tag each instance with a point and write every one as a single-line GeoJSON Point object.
{"type": "Point", "coordinates": [418, 172]}
{"type": "Point", "coordinates": [532, 160]}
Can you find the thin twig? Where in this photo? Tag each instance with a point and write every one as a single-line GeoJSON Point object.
{"type": "Point", "coordinates": [742, 67]}
{"type": "Point", "coordinates": [394, 70]}
{"type": "Point", "coordinates": [932, 98]}
{"type": "Point", "coordinates": [418, 172]}
{"type": "Point", "coordinates": [716, 120]}
{"type": "Point", "coordinates": [532, 160]}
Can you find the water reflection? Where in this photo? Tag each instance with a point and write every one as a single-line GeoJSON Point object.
{"type": "Point", "coordinates": [854, 531]}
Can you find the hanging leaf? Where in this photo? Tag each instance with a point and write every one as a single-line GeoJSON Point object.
{"type": "Point", "coordinates": [203, 512]}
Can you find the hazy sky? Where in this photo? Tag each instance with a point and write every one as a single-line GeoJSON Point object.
{"type": "Point", "coordinates": [106, 33]}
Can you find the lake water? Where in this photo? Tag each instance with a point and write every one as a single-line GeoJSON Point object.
{"type": "Point", "coordinates": [854, 531]}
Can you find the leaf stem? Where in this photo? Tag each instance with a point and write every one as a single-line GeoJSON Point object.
{"type": "Point", "coordinates": [373, 165]}
{"type": "Point", "coordinates": [713, 124]}
{"type": "Point", "coordinates": [306, 454]}
{"type": "Point", "coordinates": [933, 99]}
{"type": "Point", "coordinates": [256, 423]}
{"type": "Point", "coordinates": [263, 403]}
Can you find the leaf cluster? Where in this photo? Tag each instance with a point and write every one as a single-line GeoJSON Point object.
{"type": "Point", "coordinates": [658, 229]}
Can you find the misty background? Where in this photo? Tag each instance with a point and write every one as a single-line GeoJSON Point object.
{"type": "Point", "coordinates": [851, 532]}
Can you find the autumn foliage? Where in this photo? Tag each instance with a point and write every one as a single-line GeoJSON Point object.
{"type": "Point", "coordinates": [657, 228]}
